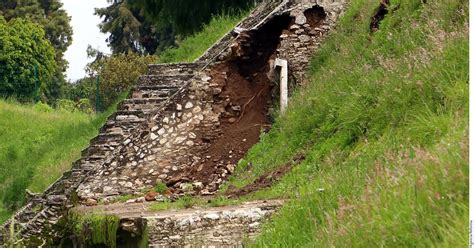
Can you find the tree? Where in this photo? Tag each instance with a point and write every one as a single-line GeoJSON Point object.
{"type": "Point", "coordinates": [23, 46]}
{"type": "Point", "coordinates": [130, 31]}
{"type": "Point", "coordinates": [187, 17]}
{"type": "Point", "coordinates": [56, 23]}
{"type": "Point", "coordinates": [150, 26]}
{"type": "Point", "coordinates": [47, 13]}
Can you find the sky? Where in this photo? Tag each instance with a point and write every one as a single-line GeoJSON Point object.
{"type": "Point", "coordinates": [86, 31]}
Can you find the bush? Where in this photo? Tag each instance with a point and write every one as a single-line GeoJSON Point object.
{"type": "Point", "coordinates": [83, 105]}
{"type": "Point", "coordinates": [43, 107]}
{"type": "Point", "coordinates": [118, 74]}
{"type": "Point", "coordinates": [66, 105]}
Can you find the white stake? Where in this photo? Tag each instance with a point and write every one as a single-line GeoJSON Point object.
{"type": "Point", "coordinates": [283, 84]}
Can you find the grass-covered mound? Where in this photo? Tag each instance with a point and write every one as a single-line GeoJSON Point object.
{"type": "Point", "coordinates": [37, 145]}
{"type": "Point", "coordinates": [383, 127]}
{"type": "Point", "coordinates": [195, 45]}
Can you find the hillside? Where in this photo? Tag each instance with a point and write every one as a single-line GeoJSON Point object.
{"type": "Point", "coordinates": [373, 150]}
{"type": "Point", "coordinates": [383, 129]}
{"type": "Point", "coordinates": [38, 145]}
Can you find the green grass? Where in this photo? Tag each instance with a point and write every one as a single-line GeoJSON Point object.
{"type": "Point", "coordinates": [384, 127]}
{"type": "Point", "coordinates": [194, 46]}
{"type": "Point", "coordinates": [38, 145]}
{"type": "Point", "coordinates": [93, 230]}
{"type": "Point", "coordinates": [189, 202]}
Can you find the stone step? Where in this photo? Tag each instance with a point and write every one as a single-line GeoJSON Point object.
{"type": "Point", "coordinates": [125, 125]}
{"type": "Point", "coordinates": [143, 103]}
{"type": "Point", "coordinates": [130, 115]}
{"type": "Point", "coordinates": [85, 165]}
{"type": "Point", "coordinates": [104, 138]}
{"type": "Point", "coordinates": [164, 81]}
{"type": "Point", "coordinates": [154, 100]}
{"type": "Point", "coordinates": [96, 149]}
{"type": "Point", "coordinates": [175, 69]}
{"type": "Point", "coordinates": [153, 92]}
{"type": "Point", "coordinates": [95, 157]}
{"type": "Point", "coordinates": [157, 90]}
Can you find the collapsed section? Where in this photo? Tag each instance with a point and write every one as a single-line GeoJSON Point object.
{"type": "Point", "coordinates": [244, 98]}
{"type": "Point", "coordinates": [196, 142]}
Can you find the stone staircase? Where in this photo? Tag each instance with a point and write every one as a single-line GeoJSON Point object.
{"type": "Point", "coordinates": [152, 93]}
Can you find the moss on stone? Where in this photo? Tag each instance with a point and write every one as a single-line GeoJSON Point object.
{"type": "Point", "coordinates": [95, 229]}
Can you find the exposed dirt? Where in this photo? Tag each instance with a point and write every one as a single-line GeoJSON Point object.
{"type": "Point", "coordinates": [266, 180]}
{"type": "Point", "coordinates": [247, 96]}
{"type": "Point", "coordinates": [241, 128]}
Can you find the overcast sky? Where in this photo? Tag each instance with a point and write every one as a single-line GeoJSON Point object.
{"type": "Point", "coordinates": [84, 24]}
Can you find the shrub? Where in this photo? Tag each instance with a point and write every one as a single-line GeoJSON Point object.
{"type": "Point", "coordinates": [117, 74]}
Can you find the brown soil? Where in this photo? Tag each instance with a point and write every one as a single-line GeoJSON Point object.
{"type": "Point", "coordinates": [247, 92]}
{"type": "Point", "coordinates": [266, 180]}
{"type": "Point", "coordinates": [241, 129]}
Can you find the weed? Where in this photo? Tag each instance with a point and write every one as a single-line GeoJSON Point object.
{"type": "Point", "coordinates": [161, 188]}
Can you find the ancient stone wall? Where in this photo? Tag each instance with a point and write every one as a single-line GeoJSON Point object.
{"type": "Point", "coordinates": [310, 25]}
{"type": "Point", "coordinates": [218, 227]}
{"type": "Point", "coordinates": [167, 146]}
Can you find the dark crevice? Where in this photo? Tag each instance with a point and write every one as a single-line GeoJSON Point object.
{"type": "Point", "coordinates": [379, 15]}
{"type": "Point", "coordinates": [315, 16]}
{"type": "Point", "coordinates": [258, 46]}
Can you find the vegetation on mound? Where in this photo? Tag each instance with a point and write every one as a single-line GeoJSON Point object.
{"type": "Point", "coordinates": [195, 45]}
{"type": "Point", "coordinates": [383, 125]}
{"type": "Point", "coordinates": [38, 145]}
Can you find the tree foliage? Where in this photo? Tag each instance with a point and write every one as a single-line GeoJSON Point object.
{"type": "Point", "coordinates": [129, 31]}
{"type": "Point", "coordinates": [187, 17]}
{"type": "Point", "coordinates": [56, 24]}
{"type": "Point", "coordinates": [47, 13]}
{"type": "Point", "coordinates": [150, 26]}
{"type": "Point", "coordinates": [23, 46]}
{"type": "Point", "coordinates": [117, 73]}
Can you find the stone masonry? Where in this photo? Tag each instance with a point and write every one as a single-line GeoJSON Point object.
{"type": "Point", "coordinates": [226, 226]}
{"type": "Point", "coordinates": [174, 114]}
{"type": "Point", "coordinates": [218, 227]}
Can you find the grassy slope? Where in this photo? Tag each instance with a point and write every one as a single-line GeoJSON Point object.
{"type": "Point", "coordinates": [38, 144]}
{"type": "Point", "coordinates": [194, 46]}
{"type": "Point", "coordinates": [384, 127]}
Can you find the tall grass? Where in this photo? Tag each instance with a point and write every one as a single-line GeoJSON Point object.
{"type": "Point", "coordinates": [384, 127]}
{"type": "Point", "coordinates": [194, 46]}
{"type": "Point", "coordinates": [38, 145]}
